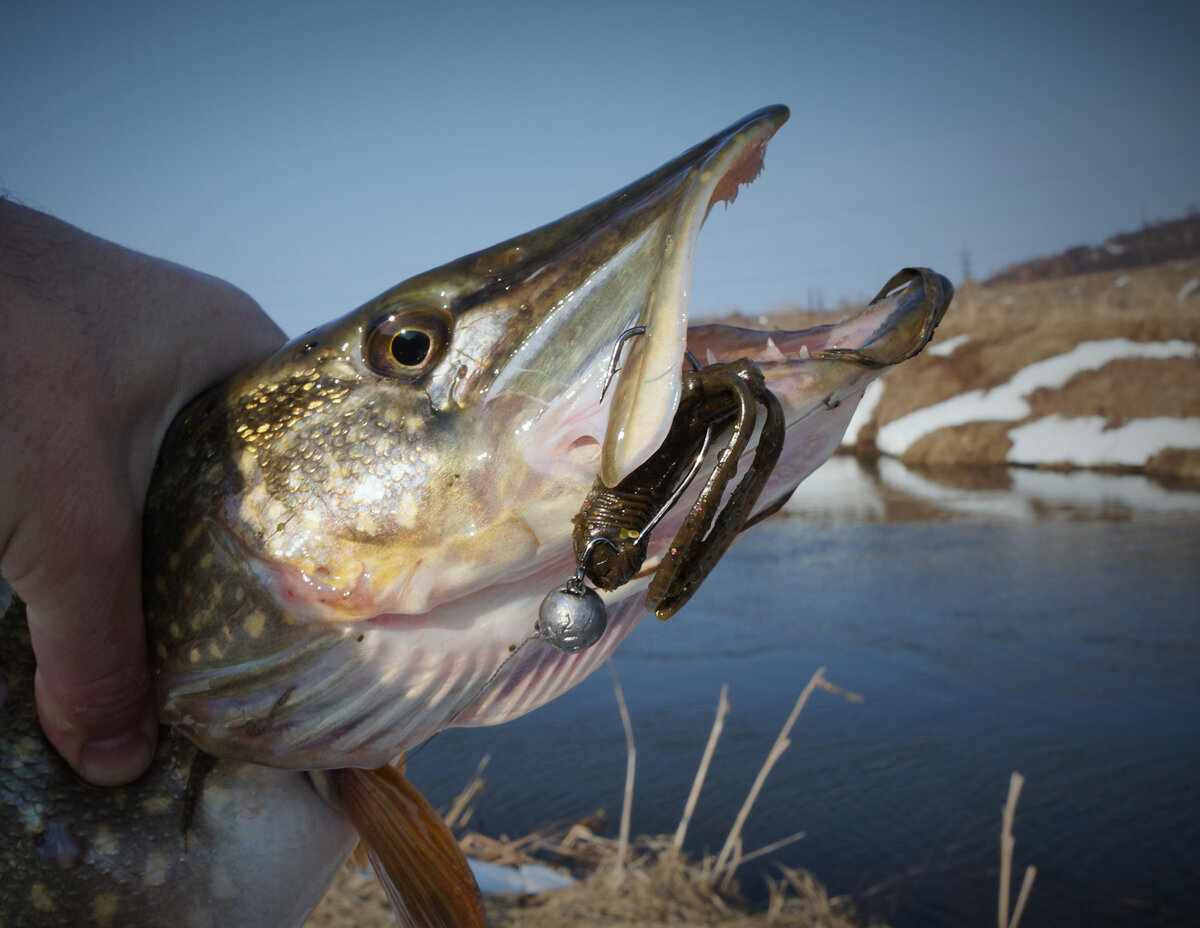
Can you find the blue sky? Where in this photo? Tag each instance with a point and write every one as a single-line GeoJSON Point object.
{"type": "Point", "coordinates": [316, 154]}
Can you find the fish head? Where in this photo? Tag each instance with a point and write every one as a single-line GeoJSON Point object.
{"type": "Point", "coordinates": [346, 544]}
{"type": "Point", "coordinates": [375, 454]}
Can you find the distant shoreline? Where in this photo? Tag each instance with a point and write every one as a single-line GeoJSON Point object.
{"type": "Point", "coordinates": [1096, 371]}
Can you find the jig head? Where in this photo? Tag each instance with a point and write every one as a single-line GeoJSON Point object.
{"type": "Point", "coordinates": [612, 528]}
{"type": "Point", "coordinates": [572, 617]}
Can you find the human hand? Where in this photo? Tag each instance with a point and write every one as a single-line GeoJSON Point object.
{"type": "Point", "coordinates": [103, 347]}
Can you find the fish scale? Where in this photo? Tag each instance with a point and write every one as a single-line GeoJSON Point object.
{"type": "Point", "coordinates": [71, 853]}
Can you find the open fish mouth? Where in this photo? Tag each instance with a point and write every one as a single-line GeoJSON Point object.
{"type": "Point", "coordinates": [818, 375]}
{"type": "Point", "coordinates": [384, 503]}
{"type": "Point", "coordinates": [648, 387]}
{"type": "Point", "coordinates": [620, 265]}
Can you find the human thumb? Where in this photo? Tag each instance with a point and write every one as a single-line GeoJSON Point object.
{"type": "Point", "coordinates": [93, 685]}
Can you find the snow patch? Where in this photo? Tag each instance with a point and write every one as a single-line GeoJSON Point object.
{"type": "Point", "coordinates": [1006, 403]}
{"type": "Point", "coordinates": [946, 348]}
{"type": "Point", "coordinates": [526, 879]}
{"type": "Point", "coordinates": [1187, 289]}
{"type": "Point", "coordinates": [1085, 442]}
{"type": "Point", "coordinates": [864, 412]}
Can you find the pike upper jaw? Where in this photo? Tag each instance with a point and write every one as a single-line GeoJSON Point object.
{"type": "Point", "coordinates": [621, 263]}
{"type": "Point", "coordinates": [649, 384]}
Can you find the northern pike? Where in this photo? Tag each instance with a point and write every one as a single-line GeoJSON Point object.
{"type": "Point", "coordinates": [348, 547]}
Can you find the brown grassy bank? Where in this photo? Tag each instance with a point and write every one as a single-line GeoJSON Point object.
{"type": "Point", "coordinates": [1009, 326]}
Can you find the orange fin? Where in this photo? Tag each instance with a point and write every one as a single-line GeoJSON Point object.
{"type": "Point", "coordinates": [358, 861]}
{"type": "Point", "coordinates": [415, 856]}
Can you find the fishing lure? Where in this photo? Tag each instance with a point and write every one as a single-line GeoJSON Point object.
{"type": "Point", "coordinates": [612, 528]}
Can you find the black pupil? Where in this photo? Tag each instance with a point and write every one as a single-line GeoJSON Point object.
{"type": "Point", "coordinates": [410, 347]}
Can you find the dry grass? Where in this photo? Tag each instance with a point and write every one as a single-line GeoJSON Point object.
{"type": "Point", "coordinates": [658, 886]}
{"type": "Point", "coordinates": [663, 889]}
{"type": "Point", "coordinates": [626, 882]}
{"type": "Point", "coordinates": [650, 881]}
{"type": "Point", "coordinates": [702, 771]}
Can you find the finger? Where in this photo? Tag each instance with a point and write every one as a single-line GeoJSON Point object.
{"type": "Point", "coordinates": [93, 685]}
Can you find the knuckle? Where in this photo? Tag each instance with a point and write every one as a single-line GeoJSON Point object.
{"type": "Point", "coordinates": [113, 700]}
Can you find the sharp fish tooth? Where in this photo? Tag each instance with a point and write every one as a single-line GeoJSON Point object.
{"type": "Point", "coordinates": [803, 352]}
{"type": "Point", "coordinates": [772, 352]}
{"type": "Point", "coordinates": [712, 358]}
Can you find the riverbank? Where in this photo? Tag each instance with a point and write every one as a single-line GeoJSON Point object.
{"type": "Point", "coordinates": [1097, 371]}
{"type": "Point", "coordinates": [574, 874]}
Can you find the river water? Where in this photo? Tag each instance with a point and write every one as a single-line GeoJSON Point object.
{"type": "Point", "coordinates": [1016, 620]}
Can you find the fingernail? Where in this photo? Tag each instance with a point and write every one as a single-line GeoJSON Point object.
{"type": "Point", "coordinates": [117, 760]}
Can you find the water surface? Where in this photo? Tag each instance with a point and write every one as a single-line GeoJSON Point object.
{"type": "Point", "coordinates": [1045, 623]}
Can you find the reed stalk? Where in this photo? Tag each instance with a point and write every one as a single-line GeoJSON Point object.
{"type": "Point", "coordinates": [1023, 895]}
{"type": "Point", "coordinates": [630, 766]}
{"type": "Point", "coordinates": [1007, 843]}
{"type": "Point", "coordinates": [771, 848]}
{"type": "Point", "coordinates": [777, 749]}
{"type": "Point", "coordinates": [702, 770]}
{"type": "Point", "coordinates": [461, 802]}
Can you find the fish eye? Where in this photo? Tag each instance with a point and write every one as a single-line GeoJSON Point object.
{"type": "Point", "coordinates": [408, 342]}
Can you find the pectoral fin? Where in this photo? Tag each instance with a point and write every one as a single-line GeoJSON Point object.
{"type": "Point", "coordinates": [415, 856]}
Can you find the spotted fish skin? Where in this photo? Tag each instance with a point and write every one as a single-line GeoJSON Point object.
{"type": "Point", "coordinates": [70, 856]}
